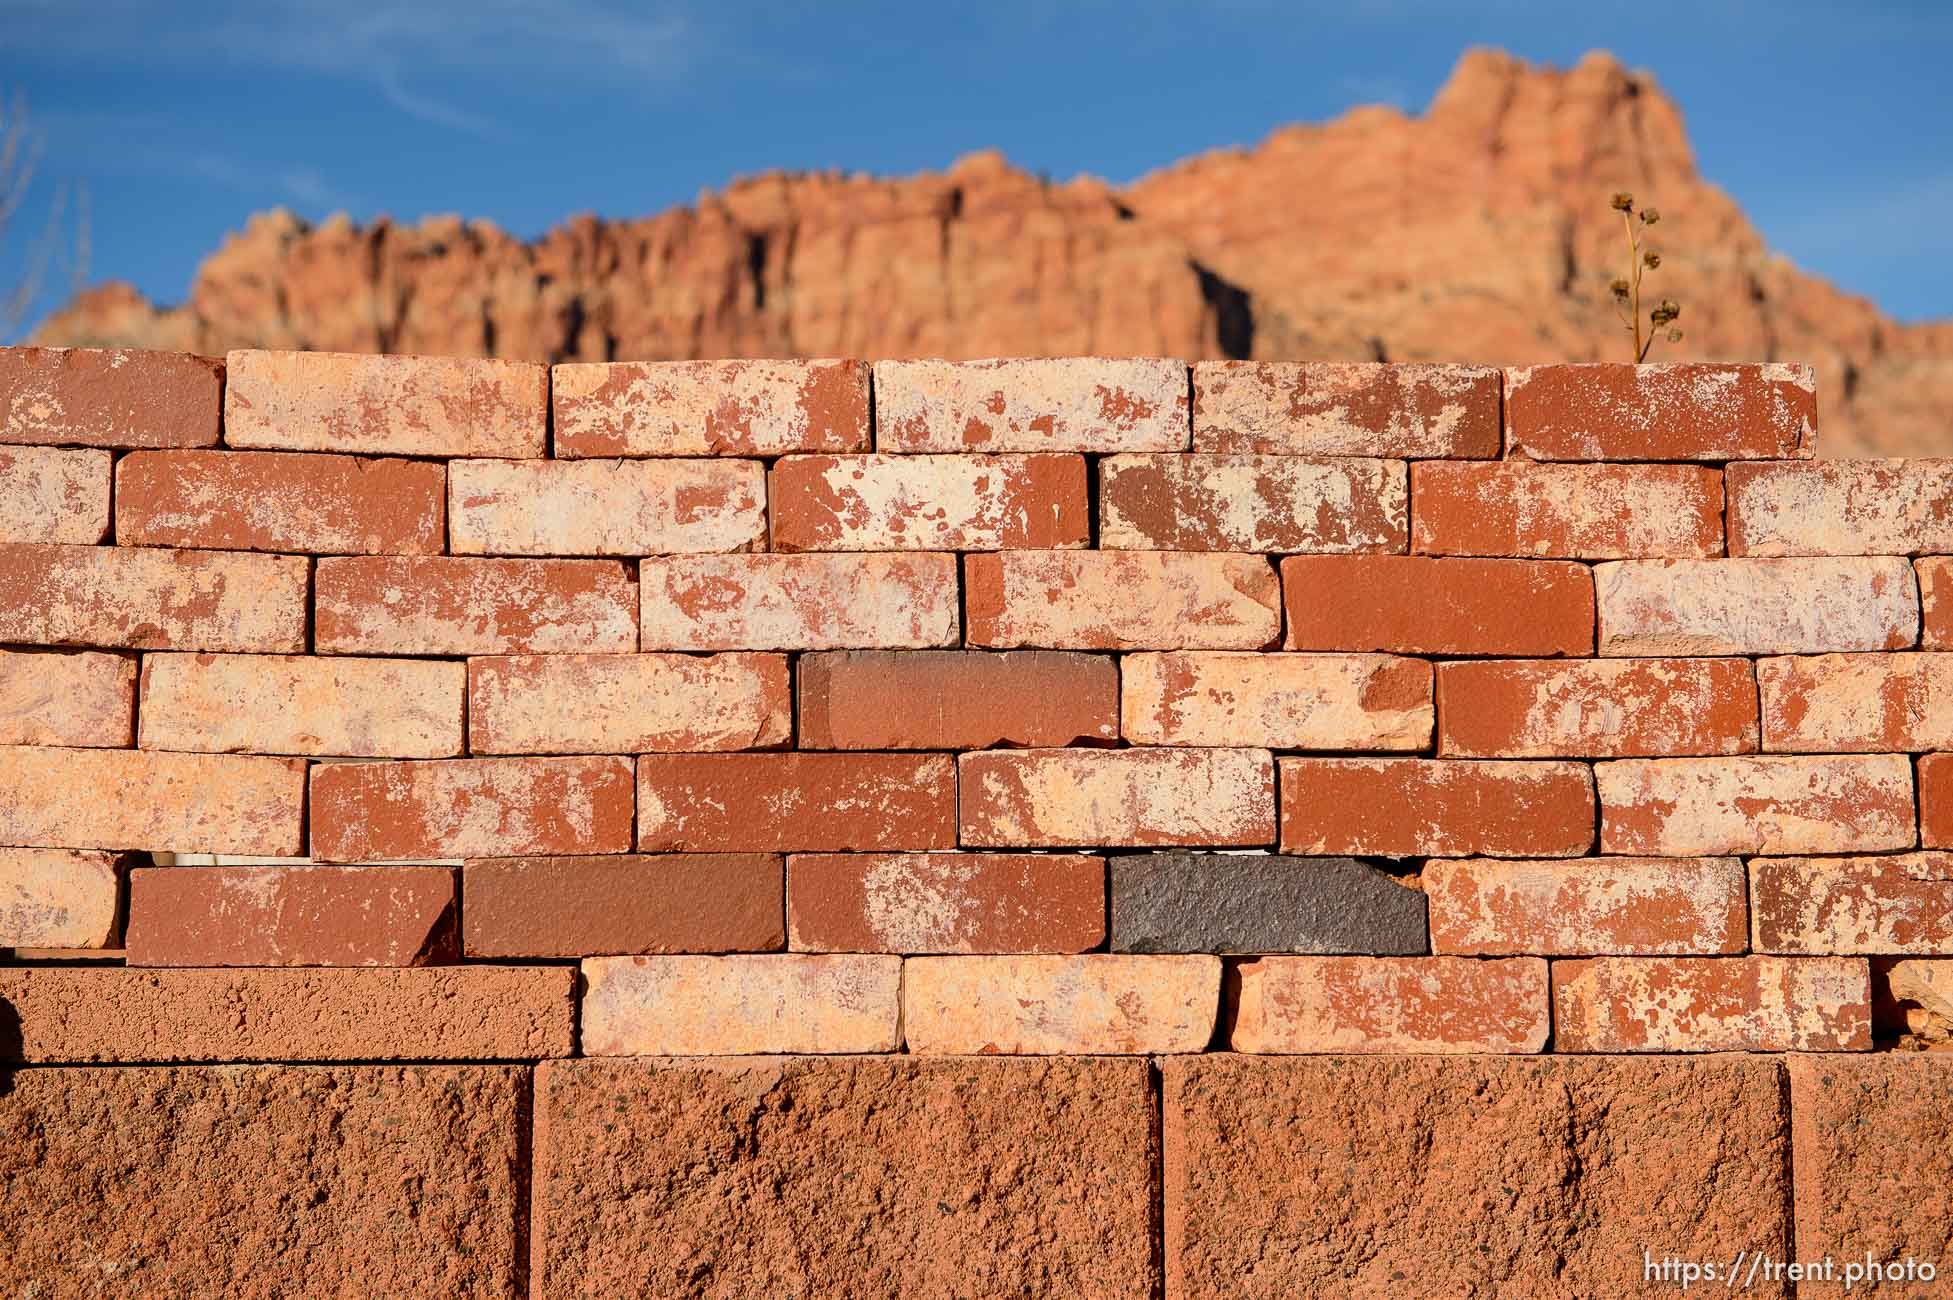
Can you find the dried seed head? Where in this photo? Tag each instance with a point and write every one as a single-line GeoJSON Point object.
{"type": "Point", "coordinates": [1623, 202]}
{"type": "Point", "coordinates": [1674, 336]}
{"type": "Point", "coordinates": [1651, 260]}
{"type": "Point", "coordinates": [1650, 216]}
{"type": "Point", "coordinates": [1620, 288]}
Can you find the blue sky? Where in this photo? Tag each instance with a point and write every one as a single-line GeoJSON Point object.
{"type": "Point", "coordinates": [1831, 125]}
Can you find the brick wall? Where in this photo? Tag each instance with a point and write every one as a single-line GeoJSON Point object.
{"type": "Point", "coordinates": [1077, 827]}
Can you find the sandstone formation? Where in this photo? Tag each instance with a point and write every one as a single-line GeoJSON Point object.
{"type": "Point", "coordinates": [1478, 231]}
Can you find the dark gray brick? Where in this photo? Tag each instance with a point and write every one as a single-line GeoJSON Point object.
{"type": "Point", "coordinates": [1223, 902]}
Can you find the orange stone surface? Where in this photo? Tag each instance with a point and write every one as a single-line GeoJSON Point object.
{"type": "Point", "coordinates": [1096, 1003]}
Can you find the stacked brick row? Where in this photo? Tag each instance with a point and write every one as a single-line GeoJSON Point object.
{"type": "Point", "coordinates": [1056, 707]}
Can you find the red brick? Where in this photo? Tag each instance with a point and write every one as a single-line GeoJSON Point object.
{"type": "Point", "coordinates": [1031, 404]}
{"type": "Point", "coordinates": [1389, 1004]}
{"type": "Point", "coordinates": [1335, 408]}
{"type": "Point", "coordinates": [1596, 708]}
{"type": "Point", "coordinates": [291, 916]}
{"type": "Point", "coordinates": [945, 902]}
{"type": "Point", "coordinates": [152, 599]}
{"type": "Point", "coordinates": [1572, 512]}
{"type": "Point", "coordinates": [761, 803]}
{"type": "Point", "coordinates": [1113, 600]}
{"type": "Point", "coordinates": [410, 406]}
{"type": "Point", "coordinates": [623, 903]}
{"type": "Point", "coordinates": [1172, 502]}
{"type": "Point", "coordinates": [798, 602]}
{"type": "Point", "coordinates": [1683, 806]}
{"type": "Point", "coordinates": [605, 507]}
{"type": "Point", "coordinates": [1112, 1004]}
{"type": "Point", "coordinates": [630, 703]}
{"type": "Point", "coordinates": [1755, 607]}
{"type": "Point", "coordinates": [448, 605]}
{"type": "Point", "coordinates": [1840, 507]}
{"type": "Point", "coordinates": [1712, 1004]}
{"type": "Point", "coordinates": [268, 1181]}
{"type": "Point", "coordinates": [130, 799]}
{"type": "Point", "coordinates": [1405, 807]}
{"type": "Point", "coordinates": [742, 1005]}
{"type": "Point", "coordinates": [956, 699]}
{"type": "Point", "coordinates": [57, 898]}
{"type": "Point", "coordinates": [1869, 906]}
{"type": "Point", "coordinates": [1060, 798]}
{"type": "Point", "coordinates": [280, 501]}
{"type": "Point", "coordinates": [431, 1013]}
{"type": "Point", "coordinates": [54, 494]}
{"type": "Point", "coordinates": [1936, 801]}
{"type": "Point", "coordinates": [665, 1179]}
{"type": "Point", "coordinates": [470, 807]}
{"type": "Point", "coordinates": [1278, 700]}
{"type": "Point", "coordinates": [1585, 907]}
{"type": "Point", "coordinates": [1859, 703]}
{"type": "Point", "coordinates": [710, 408]}
{"type": "Point", "coordinates": [928, 503]}
{"type": "Point", "coordinates": [301, 704]}
{"type": "Point", "coordinates": [109, 397]}
{"type": "Point", "coordinates": [1412, 604]}
{"type": "Point", "coordinates": [78, 698]}
{"type": "Point", "coordinates": [1663, 411]}
{"type": "Point", "coordinates": [1935, 577]}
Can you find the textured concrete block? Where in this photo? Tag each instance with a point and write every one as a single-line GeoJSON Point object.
{"type": "Point", "coordinates": [465, 605]}
{"type": "Point", "coordinates": [956, 699]}
{"type": "Point", "coordinates": [301, 704]}
{"type": "Point", "coordinates": [1283, 701]}
{"type": "Point", "coordinates": [741, 1005]}
{"type": "Point", "coordinates": [1097, 1003]}
{"type": "Point", "coordinates": [1819, 804]}
{"type": "Point", "coordinates": [1412, 807]}
{"type": "Point", "coordinates": [1756, 607]}
{"type": "Point", "coordinates": [1059, 798]}
{"type": "Point", "coordinates": [1122, 600]}
{"type": "Point", "coordinates": [1338, 408]}
{"type": "Point", "coordinates": [1661, 411]}
{"type": "Point", "coordinates": [54, 494]}
{"type": "Point", "coordinates": [627, 703]}
{"type": "Point", "coordinates": [109, 397]}
{"type": "Point", "coordinates": [470, 807]}
{"type": "Point", "coordinates": [1228, 902]}
{"type": "Point", "coordinates": [1596, 708]}
{"type": "Point", "coordinates": [774, 803]}
{"type": "Point", "coordinates": [291, 916]}
{"type": "Point", "coordinates": [1873, 905]}
{"type": "Point", "coordinates": [710, 408]}
{"type": "Point", "coordinates": [77, 698]}
{"type": "Point", "coordinates": [1417, 604]}
{"type": "Point", "coordinates": [57, 898]}
{"type": "Point", "coordinates": [130, 799]}
{"type": "Point", "coordinates": [1252, 503]}
{"type": "Point", "coordinates": [1031, 404]}
{"type": "Point", "coordinates": [406, 406]}
{"type": "Point", "coordinates": [1712, 1004]}
{"type": "Point", "coordinates": [143, 599]}
{"type": "Point", "coordinates": [1580, 907]}
{"type": "Point", "coordinates": [799, 602]}
{"type": "Point", "coordinates": [928, 503]}
{"type": "Point", "coordinates": [605, 507]}
{"type": "Point", "coordinates": [1286, 1005]}
{"type": "Point", "coordinates": [280, 501]}
{"type": "Point", "coordinates": [622, 903]}
{"type": "Point", "coordinates": [1568, 512]}
{"type": "Point", "coordinates": [878, 1178]}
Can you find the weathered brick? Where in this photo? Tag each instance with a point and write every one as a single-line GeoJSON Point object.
{"type": "Point", "coordinates": [1851, 906]}
{"type": "Point", "coordinates": [1058, 798]}
{"type": "Point", "coordinates": [1572, 512]}
{"type": "Point", "coordinates": [427, 1013]}
{"type": "Point", "coordinates": [1122, 600]}
{"type": "Point", "coordinates": [291, 916]}
{"type": "Point", "coordinates": [1596, 708]}
{"type": "Point", "coordinates": [622, 903]}
{"type": "Point", "coordinates": [630, 703]}
{"type": "Point", "coordinates": [1401, 807]}
{"type": "Point", "coordinates": [109, 397]}
{"type": "Point", "coordinates": [1035, 1178]}
{"type": "Point", "coordinates": [1682, 806]}
{"type": "Point", "coordinates": [1756, 607]}
{"type": "Point", "coordinates": [1095, 1003]}
{"type": "Point", "coordinates": [1287, 1005]}
{"type": "Point", "coordinates": [814, 803]}
{"type": "Point", "coordinates": [470, 807]}
{"type": "Point", "coordinates": [1585, 907]}
{"type": "Point", "coordinates": [54, 494]}
{"type": "Point", "coordinates": [945, 902]}
{"type": "Point", "coordinates": [78, 698]}
{"type": "Point", "coordinates": [799, 602]}
{"type": "Point", "coordinates": [710, 408]}
{"type": "Point", "coordinates": [1385, 1176]}
{"type": "Point", "coordinates": [301, 704]}
{"type": "Point", "coordinates": [1840, 507]}
{"type": "Point", "coordinates": [1871, 1185]}
{"type": "Point", "coordinates": [1936, 801]}
{"type": "Point", "coordinates": [1662, 411]}
{"type": "Point", "coordinates": [1913, 996]}
{"type": "Point", "coordinates": [1415, 604]}
{"type": "Point", "coordinates": [1168, 502]}
{"type": "Point", "coordinates": [143, 599]}
{"type": "Point", "coordinates": [409, 406]}
{"type": "Point", "coordinates": [57, 898]}
{"type": "Point", "coordinates": [928, 503]}
{"type": "Point", "coordinates": [1712, 1004]}
{"type": "Point", "coordinates": [280, 501]}
{"type": "Point", "coordinates": [956, 699]}
{"type": "Point", "coordinates": [605, 507]}
{"type": "Point", "coordinates": [265, 1181]}
{"type": "Point", "coordinates": [1935, 577]}
{"type": "Point", "coordinates": [1334, 408]}
{"type": "Point", "coordinates": [742, 1005]}
{"type": "Point", "coordinates": [130, 799]}
{"type": "Point", "coordinates": [1031, 404]}
{"type": "Point", "coordinates": [450, 605]}
{"type": "Point", "coordinates": [1241, 902]}
{"type": "Point", "coordinates": [1857, 703]}
{"type": "Point", "coordinates": [1282, 701]}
